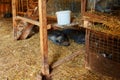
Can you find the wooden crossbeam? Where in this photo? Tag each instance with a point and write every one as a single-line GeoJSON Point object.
{"type": "Point", "coordinates": [53, 18]}
{"type": "Point", "coordinates": [28, 20]}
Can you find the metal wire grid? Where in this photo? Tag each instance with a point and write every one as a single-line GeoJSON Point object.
{"type": "Point", "coordinates": [105, 44]}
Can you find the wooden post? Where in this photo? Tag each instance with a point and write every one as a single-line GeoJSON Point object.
{"type": "Point", "coordinates": [83, 6]}
{"type": "Point", "coordinates": [43, 36]}
{"type": "Point", "coordinates": [14, 17]}
{"type": "Point", "coordinates": [87, 55]}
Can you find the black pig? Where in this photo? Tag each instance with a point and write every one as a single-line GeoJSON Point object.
{"type": "Point", "coordinates": [57, 37]}
{"type": "Point", "coordinates": [77, 35]}
{"type": "Point", "coordinates": [7, 15]}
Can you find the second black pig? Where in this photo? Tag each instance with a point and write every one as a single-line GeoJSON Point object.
{"type": "Point", "coordinates": [77, 35]}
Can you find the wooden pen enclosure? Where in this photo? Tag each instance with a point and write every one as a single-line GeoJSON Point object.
{"type": "Point", "coordinates": [103, 44]}
{"type": "Point", "coordinates": [103, 53]}
{"type": "Point", "coordinates": [37, 57]}
{"type": "Point", "coordinates": [29, 9]}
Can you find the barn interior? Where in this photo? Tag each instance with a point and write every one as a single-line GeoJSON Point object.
{"type": "Point", "coordinates": [88, 50]}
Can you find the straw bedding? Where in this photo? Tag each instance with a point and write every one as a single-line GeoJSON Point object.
{"type": "Point", "coordinates": [21, 60]}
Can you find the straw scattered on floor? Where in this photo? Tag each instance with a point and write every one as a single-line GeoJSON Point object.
{"type": "Point", "coordinates": [21, 60]}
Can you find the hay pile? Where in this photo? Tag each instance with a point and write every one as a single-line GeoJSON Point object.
{"type": "Point", "coordinates": [108, 23]}
{"type": "Point", "coordinates": [21, 60]}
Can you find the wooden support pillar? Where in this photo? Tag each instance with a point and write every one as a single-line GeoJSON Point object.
{"type": "Point", "coordinates": [83, 6]}
{"type": "Point", "coordinates": [87, 49]}
{"type": "Point", "coordinates": [43, 36]}
{"type": "Point", "coordinates": [14, 17]}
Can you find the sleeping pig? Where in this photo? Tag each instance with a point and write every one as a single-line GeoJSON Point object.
{"type": "Point", "coordinates": [57, 37]}
{"type": "Point", "coordinates": [77, 35]}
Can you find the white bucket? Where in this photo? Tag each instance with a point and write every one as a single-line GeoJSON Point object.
{"type": "Point", "coordinates": [63, 17]}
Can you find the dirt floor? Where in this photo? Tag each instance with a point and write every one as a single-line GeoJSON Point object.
{"type": "Point", "coordinates": [21, 60]}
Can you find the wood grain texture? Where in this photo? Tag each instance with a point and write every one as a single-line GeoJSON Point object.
{"type": "Point", "coordinates": [43, 36]}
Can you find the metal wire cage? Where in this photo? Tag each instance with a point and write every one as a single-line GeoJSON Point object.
{"type": "Point", "coordinates": [103, 53]}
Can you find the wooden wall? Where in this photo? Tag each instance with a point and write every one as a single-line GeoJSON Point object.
{"type": "Point", "coordinates": [57, 5]}
{"type": "Point", "coordinates": [52, 6]}
{"type": "Point", "coordinates": [5, 7]}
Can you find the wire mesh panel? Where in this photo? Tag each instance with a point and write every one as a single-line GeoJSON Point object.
{"type": "Point", "coordinates": [106, 45]}
{"type": "Point", "coordinates": [103, 53]}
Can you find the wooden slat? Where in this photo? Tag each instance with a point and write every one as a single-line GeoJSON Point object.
{"type": "Point", "coordinates": [21, 13]}
{"type": "Point", "coordinates": [28, 20]}
{"type": "Point", "coordinates": [43, 36]}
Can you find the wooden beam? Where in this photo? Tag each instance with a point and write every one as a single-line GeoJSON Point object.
{"type": "Point", "coordinates": [34, 21]}
{"type": "Point", "coordinates": [28, 20]}
{"type": "Point", "coordinates": [14, 16]}
{"type": "Point", "coordinates": [43, 36]}
{"type": "Point", "coordinates": [66, 59]}
{"type": "Point", "coordinates": [83, 6]}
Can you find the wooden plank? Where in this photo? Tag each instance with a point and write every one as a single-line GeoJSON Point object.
{"type": "Point", "coordinates": [14, 16]}
{"type": "Point", "coordinates": [26, 31]}
{"type": "Point", "coordinates": [33, 21]}
{"type": "Point", "coordinates": [66, 59]}
{"type": "Point", "coordinates": [69, 26]}
{"type": "Point", "coordinates": [21, 13]}
{"type": "Point", "coordinates": [43, 36]}
{"type": "Point", "coordinates": [28, 20]}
